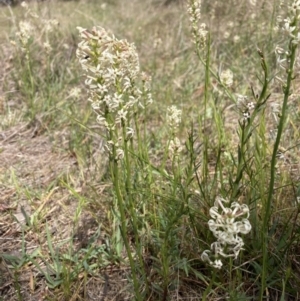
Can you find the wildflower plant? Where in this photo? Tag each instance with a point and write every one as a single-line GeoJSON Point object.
{"type": "Point", "coordinates": [199, 31]}
{"type": "Point", "coordinates": [251, 156]}
{"type": "Point", "coordinates": [286, 60]}
{"type": "Point", "coordinates": [34, 34]}
{"type": "Point", "coordinates": [173, 119]}
{"type": "Point", "coordinates": [119, 94]}
{"type": "Point", "coordinates": [118, 91]}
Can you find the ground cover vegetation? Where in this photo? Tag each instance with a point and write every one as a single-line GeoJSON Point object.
{"type": "Point", "coordinates": [149, 150]}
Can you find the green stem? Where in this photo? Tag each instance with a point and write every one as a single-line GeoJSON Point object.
{"type": "Point", "coordinates": [114, 170]}
{"type": "Point", "coordinates": [123, 223]}
{"type": "Point", "coordinates": [287, 88]}
{"type": "Point", "coordinates": [206, 96]}
{"type": "Point", "coordinates": [32, 88]}
{"type": "Point", "coordinates": [214, 74]}
{"type": "Point", "coordinates": [131, 202]}
{"type": "Point", "coordinates": [247, 128]}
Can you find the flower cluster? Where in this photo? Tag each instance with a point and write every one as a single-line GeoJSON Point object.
{"type": "Point", "coordinates": [47, 48]}
{"type": "Point", "coordinates": [75, 93]}
{"type": "Point", "coordinates": [199, 31]}
{"type": "Point", "coordinates": [112, 69]}
{"type": "Point", "coordinates": [29, 12]}
{"type": "Point", "coordinates": [25, 33]}
{"type": "Point", "coordinates": [245, 107]}
{"type": "Point", "coordinates": [175, 147]}
{"type": "Point", "coordinates": [173, 121]}
{"type": "Point", "coordinates": [289, 27]}
{"type": "Point", "coordinates": [50, 25]}
{"type": "Point", "coordinates": [226, 224]}
{"type": "Point", "coordinates": [226, 77]}
{"type": "Point", "coordinates": [173, 117]}
{"type": "Point", "coordinates": [29, 28]}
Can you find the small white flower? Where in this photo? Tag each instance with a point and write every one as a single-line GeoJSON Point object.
{"type": "Point", "coordinates": [226, 35]}
{"type": "Point", "coordinates": [219, 203]}
{"type": "Point", "coordinates": [287, 28]}
{"type": "Point", "coordinates": [236, 39]}
{"type": "Point", "coordinates": [117, 98]}
{"type": "Point", "coordinates": [213, 212]}
{"type": "Point", "coordinates": [101, 89]}
{"type": "Point", "coordinates": [216, 247]}
{"type": "Point", "coordinates": [149, 99]}
{"type": "Point", "coordinates": [103, 6]}
{"type": "Point", "coordinates": [110, 75]}
{"type": "Point", "coordinates": [205, 257]}
{"type": "Point", "coordinates": [129, 133]}
{"type": "Point", "coordinates": [217, 264]}
{"type": "Point", "coordinates": [24, 4]}
{"type": "Point", "coordinates": [121, 116]}
{"type": "Point", "coordinates": [231, 24]}
{"type": "Point", "coordinates": [296, 39]}
{"type": "Point", "coordinates": [246, 115]}
{"type": "Point", "coordinates": [212, 225]}
{"type": "Point", "coordinates": [250, 105]}
{"type": "Point", "coordinates": [295, 7]}
{"type": "Point", "coordinates": [119, 154]}
{"type": "Point", "coordinates": [244, 226]}
{"type": "Point", "coordinates": [245, 210]}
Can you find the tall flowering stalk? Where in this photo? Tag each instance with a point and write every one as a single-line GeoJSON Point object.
{"type": "Point", "coordinates": [175, 146]}
{"type": "Point", "coordinates": [199, 32]}
{"type": "Point", "coordinates": [286, 60]}
{"type": "Point", "coordinates": [112, 75]}
{"type": "Point", "coordinates": [34, 34]}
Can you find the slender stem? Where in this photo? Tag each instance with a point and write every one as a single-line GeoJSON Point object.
{"type": "Point", "coordinates": [215, 75]}
{"type": "Point", "coordinates": [32, 88]}
{"type": "Point", "coordinates": [131, 202]}
{"type": "Point", "coordinates": [121, 207]}
{"type": "Point", "coordinates": [287, 88]}
{"type": "Point", "coordinates": [114, 169]}
{"type": "Point", "coordinates": [206, 96]}
{"type": "Point", "coordinates": [247, 128]}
